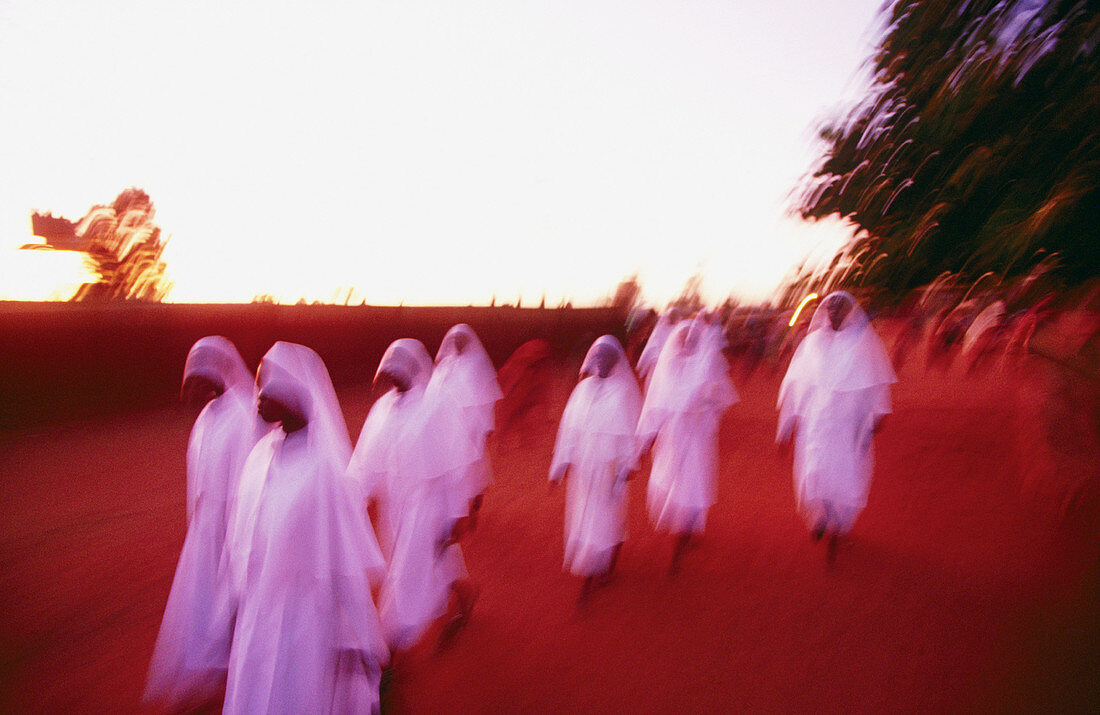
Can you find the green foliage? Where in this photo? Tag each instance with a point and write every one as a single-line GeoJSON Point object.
{"type": "Point", "coordinates": [978, 149]}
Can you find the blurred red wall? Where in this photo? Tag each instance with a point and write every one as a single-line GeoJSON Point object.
{"type": "Point", "coordinates": [63, 361]}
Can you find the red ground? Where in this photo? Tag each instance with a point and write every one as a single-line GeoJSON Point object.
{"type": "Point", "coordinates": [956, 592]}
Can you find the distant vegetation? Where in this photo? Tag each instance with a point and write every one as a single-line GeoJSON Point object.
{"type": "Point", "coordinates": [976, 152]}
{"type": "Point", "coordinates": [121, 245]}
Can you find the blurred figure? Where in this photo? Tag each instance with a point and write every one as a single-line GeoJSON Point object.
{"type": "Point", "coordinates": [983, 336]}
{"type": "Point", "coordinates": [712, 332]}
{"type": "Point", "coordinates": [689, 392]}
{"type": "Point", "coordinates": [1062, 397]}
{"type": "Point", "coordinates": [1025, 326]}
{"type": "Point", "coordinates": [412, 457]}
{"type": "Point", "coordinates": [526, 380]}
{"type": "Point", "coordinates": [464, 371]}
{"type": "Point", "coordinates": [308, 638]}
{"type": "Point", "coordinates": [947, 334]}
{"type": "Point", "coordinates": [751, 343]}
{"type": "Point", "coordinates": [191, 656]}
{"type": "Point", "coordinates": [831, 402]}
{"type": "Point", "coordinates": [912, 331]}
{"type": "Point", "coordinates": [789, 337]}
{"type": "Point", "coordinates": [652, 350]}
{"type": "Point", "coordinates": [639, 326]}
{"type": "Point", "coordinates": [596, 443]}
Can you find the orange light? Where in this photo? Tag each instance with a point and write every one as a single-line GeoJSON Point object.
{"type": "Point", "coordinates": [798, 310]}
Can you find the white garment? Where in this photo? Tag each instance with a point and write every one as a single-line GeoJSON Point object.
{"type": "Point", "coordinates": [411, 456]}
{"type": "Point", "coordinates": [191, 655]}
{"type": "Point", "coordinates": [468, 376]}
{"type": "Point", "coordinates": [647, 361]}
{"type": "Point", "coordinates": [596, 440]}
{"type": "Point", "coordinates": [307, 637]}
{"type": "Point", "coordinates": [690, 391]}
{"type": "Point", "coordinates": [834, 392]}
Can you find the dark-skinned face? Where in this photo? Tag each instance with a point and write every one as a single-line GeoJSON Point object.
{"type": "Point", "coordinates": [397, 370]}
{"type": "Point", "coordinates": [392, 378]}
{"type": "Point", "coordinates": [273, 410]}
{"type": "Point", "coordinates": [199, 389]}
{"type": "Point", "coordinates": [605, 359]}
{"type": "Point", "coordinates": [460, 342]}
{"type": "Point", "coordinates": [273, 402]}
{"type": "Point", "coordinates": [838, 310]}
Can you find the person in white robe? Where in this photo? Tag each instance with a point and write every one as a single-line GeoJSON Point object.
{"type": "Point", "coordinates": [597, 448]}
{"type": "Point", "coordinates": [303, 555]}
{"type": "Point", "coordinates": [463, 370]}
{"type": "Point", "coordinates": [690, 391]}
{"type": "Point", "coordinates": [191, 655]}
{"type": "Point", "coordinates": [411, 458]}
{"type": "Point", "coordinates": [713, 332]}
{"type": "Point", "coordinates": [831, 403]}
{"type": "Point", "coordinates": [647, 361]}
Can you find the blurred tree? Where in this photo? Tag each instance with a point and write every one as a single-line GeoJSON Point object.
{"type": "Point", "coordinates": [977, 149]}
{"type": "Point", "coordinates": [121, 246]}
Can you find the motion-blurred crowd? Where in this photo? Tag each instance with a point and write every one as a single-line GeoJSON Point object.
{"type": "Point", "coordinates": [312, 564]}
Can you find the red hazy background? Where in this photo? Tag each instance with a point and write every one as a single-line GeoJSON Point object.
{"type": "Point", "coordinates": [970, 582]}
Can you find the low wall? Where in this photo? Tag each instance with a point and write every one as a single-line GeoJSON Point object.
{"type": "Point", "coordinates": [67, 360]}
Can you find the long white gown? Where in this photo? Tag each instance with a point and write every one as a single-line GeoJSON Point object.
{"type": "Point", "coordinates": [307, 637]}
{"type": "Point", "coordinates": [690, 391]}
{"type": "Point", "coordinates": [651, 353]}
{"type": "Point", "coordinates": [191, 654]}
{"type": "Point", "coordinates": [411, 457]}
{"type": "Point", "coordinates": [468, 376]}
{"type": "Point", "coordinates": [834, 392]}
{"type": "Point", "coordinates": [596, 439]}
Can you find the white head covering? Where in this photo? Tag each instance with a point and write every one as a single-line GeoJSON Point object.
{"type": "Point", "coordinates": [414, 412]}
{"type": "Point", "coordinates": [851, 358]}
{"type": "Point", "coordinates": [691, 375]}
{"type": "Point", "coordinates": [652, 350]}
{"type": "Point", "coordinates": [718, 389]}
{"type": "Point", "coordinates": [608, 405]}
{"type": "Point", "coordinates": [216, 359]}
{"type": "Point", "coordinates": [192, 648]}
{"type": "Point", "coordinates": [296, 376]}
{"type": "Point", "coordinates": [468, 375]}
{"type": "Point", "coordinates": [302, 551]}
{"type": "Point", "coordinates": [710, 329]}
{"type": "Point", "coordinates": [410, 358]}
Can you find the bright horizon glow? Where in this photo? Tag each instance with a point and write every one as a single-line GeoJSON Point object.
{"type": "Point", "coordinates": [428, 152]}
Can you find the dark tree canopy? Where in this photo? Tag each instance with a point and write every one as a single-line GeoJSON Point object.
{"type": "Point", "coordinates": [978, 148]}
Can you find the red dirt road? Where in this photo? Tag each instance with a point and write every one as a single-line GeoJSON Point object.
{"type": "Point", "coordinates": [955, 592]}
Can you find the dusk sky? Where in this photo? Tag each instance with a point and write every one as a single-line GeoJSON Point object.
{"type": "Point", "coordinates": [428, 152]}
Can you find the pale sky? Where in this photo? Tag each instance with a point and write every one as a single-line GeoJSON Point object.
{"type": "Point", "coordinates": [431, 152]}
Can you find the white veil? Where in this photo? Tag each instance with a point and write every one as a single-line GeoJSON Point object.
{"type": "Point", "coordinates": [851, 358]}
{"type": "Point", "coordinates": [297, 375]}
{"type": "Point", "coordinates": [448, 450]}
{"type": "Point", "coordinates": [691, 375]}
{"type": "Point", "coordinates": [303, 550]}
{"type": "Point", "coordinates": [619, 404]}
{"type": "Point", "coordinates": [651, 353]}
{"type": "Point", "coordinates": [468, 375]}
{"type": "Point", "coordinates": [192, 647]}
{"type": "Point", "coordinates": [216, 359]}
